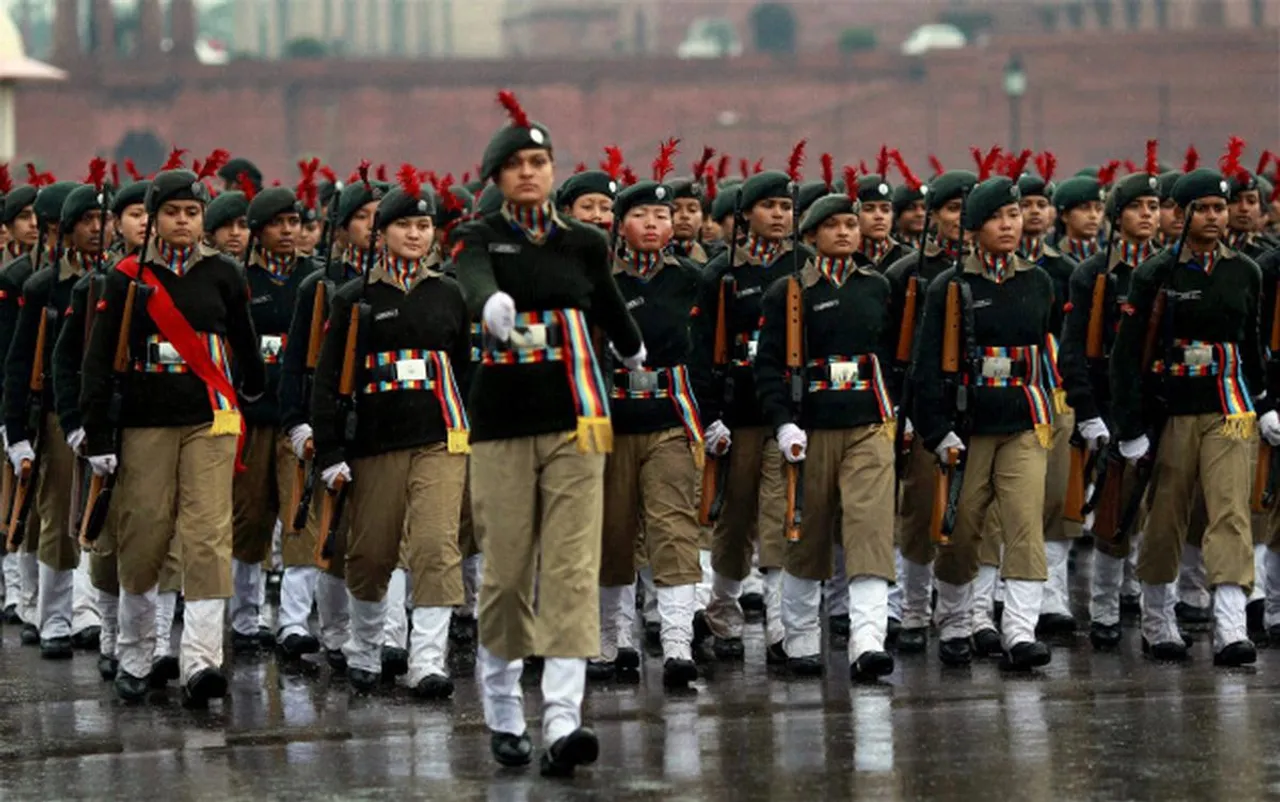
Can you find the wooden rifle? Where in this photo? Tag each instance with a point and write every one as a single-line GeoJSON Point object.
{"type": "Point", "coordinates": [946, 490]}
{"type": "Point", "coordinates": [304, 480]}
{"type": "Point", "coordinates": [794, 471]}
{"type": "Point", "coordinates": [1107, 466]}
{"type": "Point", "coordinates": [1161, 320]}
{"type": "Point", "coordinates": [715, 471]}
{"type": "Point", "coordinates": [902, 440]}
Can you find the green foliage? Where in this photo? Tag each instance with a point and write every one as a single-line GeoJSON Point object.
{"type": "Point", "coordinates": [773, 28]}
{"type": "Point", "coordinates": [856, 40]}
{"type": "Point", "coordinates": [305, 47]}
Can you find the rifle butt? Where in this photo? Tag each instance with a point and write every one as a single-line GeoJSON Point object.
{"type": "Point", "coordinates": [1261, 478]}
{"type": "Point", "coordinates": [795, 476]}
{"type": "Point", "coordinates": [941, 495]}
{"type": "Point", "coordinates": [87, 532]}
{"type": "Point", "coordinates": [295, 494]}
{"type": "Point", "coordinates": [1106, 516]}
{"type": "Point", "coordinates": [907, 328]}
{"type": "Point", "coordinates": [7, 485]}
{"type": "Point", "coordinates": [710, 487]}
{"type": "Point", "coordinates": [1073, 508]}
{"type": "Point", "coordinates": [17, 517]}
{"type": "Point", "coordinates": [328, 517]}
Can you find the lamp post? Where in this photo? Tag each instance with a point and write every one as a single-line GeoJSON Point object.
{"type": "Point", "coordinates": [1015, 86]}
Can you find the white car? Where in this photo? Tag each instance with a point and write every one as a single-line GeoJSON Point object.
{"type": "Point", "coordinates": [934, 37]}
{"type": "Point", "coordinates": [710, 38]}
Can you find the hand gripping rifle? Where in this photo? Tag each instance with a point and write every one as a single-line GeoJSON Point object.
{"type": "Point", "coordinates": [715, 471]}
{"type": "Point", "coordinates": [1106, 466]}
{"type": "Point", "coordinates": [957, 335]}
{"type": "Point", "coordinates": [795, 344]}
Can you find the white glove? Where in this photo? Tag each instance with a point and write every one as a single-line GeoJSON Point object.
{"type": "Point", "coordinates": [330, 475]}
{"type": "Point", "coordinates": [499, 315]}
{"type": "Point", "coordinates": [1136, 449]}
{"type": "Point", "coordinates": [75, 439]}
{"type": "Point", "coordinates": [103, 465]}
{"type": "Point", "coordinates": [298, 437]}
{"type": "Point", "coordinates": [4, 435]}
{"type": "Point", "coordinates": [18, 452]}
{"type": "Point", "coordinates": [637, 361]}
{"type": "Point", "coordinates": [1270, 427]}
{"type": "Point", "coordinates": [1094, 432]}
{"type": "Point", "coordinates": [717, 438]}
{"type": "Point", "coordinates": [790, 436]}
{"type": "Point", "coordinates": [910, 430]}
{"type": "Point", "coordinates": [952, 440]}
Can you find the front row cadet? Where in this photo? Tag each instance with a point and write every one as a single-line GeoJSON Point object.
{"type": "Point", "coordinates": [839, 432]}
{"type": "Point", "coordinates": [175, 443]}
{"type": "Point", "coordinates": [653, 470]}
{"type": "Point", "coordinates": [1190, 408]}
{"type": "Point", "coordinates": [983, 329]}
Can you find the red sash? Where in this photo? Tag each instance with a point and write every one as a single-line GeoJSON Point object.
{"type": "Point", "coordinates": [175, 328]}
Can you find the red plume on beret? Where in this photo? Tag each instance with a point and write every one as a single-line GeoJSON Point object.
{"type": "Point", "coordinates": [1152, 166]}
{"type": "Point", "coordinates": [580, 167]}
{"type": "Point", "coordinates": [1230, 164]}
{"type": "Point", "coordinates": [362, 173]}
{"type": "Point", "coordinates": [700, 166]}
{"type": "Point", "coordinates": [132, 170]}
{"type": "Point", "coordinates": [329, 174]}
{"type": "Point", "coordinates": [1046, 165]}
{"type": "Point", "coordinates": [247, 186]}
{"type": "Point", "coordinates": [507, 99]}
{"type": "Point", "coordinates": [986, 164]}
{"type": "Point", "coordinates": [216, 161]}
{"type": "Point", "coordinates": [722, 169]}
{"type": "Point", "coordinates": [796, 160]}
{"type": "Point", "coordinates": [936, 165]}
{"type": "Point", "coordinates": [1263, 161]}
{"type": "Point", "coordinates": [449, 201]}
{"type": "Point", "coordinates": [1192, 160]}
{"type": "Point", "coordinates": [6, 180]}
{"type": "Point", "coordinates": [38, 179]}
{"type": "Point", "coordinates": [115, 174]}
{"type": "Point", "coordinates": [407, 177]}
{"type": "Point", "coordinates": [851, 181]}
{"type": "Point", "coordinates": [910, 179]}
{"type": "Point", "coordinates": [1130, 166]}
{"type": "Point", "coordinates": [1017, 165]}
{"type": "Point", "coordinates": [628, 176]}
{"type": "Point", "coordinates": [709, 179]}
{"type": "Point", "coordinates": [1107, 173]}
{"type": "Point", "coordinates": [863, 168]}
{"type": "Point", "coordinates": [758, 167]}
{"type": "Point", "coordinates": [882, 162]}
{"type": "Point", "coordinates": [381, 172]}
{"type": "Point", "coordinates": [744, 166]}
{"type": "Point", "coordinates": [828, 170]}
{"type": "Point", "coordinates": [97, 172]}
{"type": "Point", "coordinates": [307, 191]}
{"type": "Point", "coordinates": [174, 162]}
{"type": "Point", "coordinates": [664, 164]}
{"type": "Point", "coordinates": [613, 162]}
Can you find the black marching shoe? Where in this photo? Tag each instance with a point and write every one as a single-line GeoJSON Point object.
{"type": "Point", "coordinates": [729, 649]}
{"type": "Point", "coordinates": [701, 635]}
{"type": "Point", "coordinates": [955, 652]}
{"type": "Point", "coordinates": [1191, 616]}
{"type": "Point", "coordinates": [752, 603]}
{"type": "Point", "coordinates": [808, 666]}
{"type": "Point", "coordinates": [1025, 656]}
{"type": "Point", "coordinates": [871, 666]}
{"type": "Point", "coordinates": [108, 667]}
{"type": "Point", "coordinates": [462, 630]}
{"type": "Point", "coordinates": [337, 660]}
{"type": "Point", "coordinates": [775, 654]}
{"type": "Point", "coordinates": [245, 644]}
{"type": "Point", "coordinates": [601, 670]}
{"type": "Point", "coordinates": [11, 615]}
{"type": "Point", "coordinates": [294, 646]}
{"type": "Point", "coordinates": [838, 630]}
{"type": "Point", "coordinates": [55, 648]}
{"type": "Point", "coordinates": [87, 639]}
{"type": "Point", "coordinates": [130, 688]}
{"type": "Point", "coordinates": [578, 748]}
{"type": "Point", "coordinates": [395, 662]}
{"type": "Point", "coordinates": [1055, 624]}
{"type": "Point", "coordinates": [1273, 635]}
{"type": "Point", "coordinates": [912, 640]}
{"type": "Point", "coordinates": [203, 686]}
{"type": "Point", "coordinates": [678, 673]}
{"type": "Point", "coordinates": [163, 670]}
{"type": "Point", "coordinates": [1168, 651]}
{"type": "Point", "coordinates": [892, 631]}
{"type": "Point", "coordinates": [1130, 608]}
{"type": "Point", "coordinates": [30, 635]}
{"type": "Point", "coordinates": [628, 660]}
{"type": "Point", "coordinates": [1104, 637]}
{"type": "Point", "coordinates": [433, 687]}
{"type": "Point", "coordinates": [653, 634]}
{"type": "Point", "coordinates": [510, 750]}
{"type": "Point", "coordinates": [362, 681]}
{"type": "Point", "coordinates": [1234, 655]}
{"type": "Point", "coordinates": [986, 643]}
{"type": "Point", "coordinates": [1254, 613]}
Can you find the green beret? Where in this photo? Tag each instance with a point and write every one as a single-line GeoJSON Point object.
{"type": "Point", "coordinates": [591, 182]}
{"type": "Point", "coordinates": [810, 191]}
{"type": "Point", "coordinates": [685, 189]}
{"type": "Point", "coordinates": [475, 186]}
{"type": "Point", "coordinates": [948, 186]}
{"type": "Point", "coordinates": [175, 185]}
{"type": "Point", "coordinates": [490, 200]}
{"type": "Point", "coordinates": [1129, 189]}
{"type": "Point", "coordinates": [1165, 184]}
{"type": "Point", "coordinates": [49, 201]}
{"type": "Point", "coordinates": [1197, 184]}
{"type": "Point", "coordinates": [17, 200]}
{"type": "Point", "coordinates": [128, 196]}
{"type": "Point", "coordinates": [224, 210]}
{"type": "Point", "coordinates": [904, 196]}
{"type": "Point", "coordinates": [1033, 185]}
{"type": "Point", "coordinates": [1087, 172]}
{"type": "Point", "coordinates": [824, 208]}
{"type": "Point", "coordinates": [269, 204]}
{"type": "Point", "coordinates": [465, 199]}
{"type": "Point", "coordinates": [327, 191]}
{"type": "Point", "coordinates": [233, 169]}
{"type": "Point", "coordinates": [764, 186]}
{"type": "Point", "coordinates": [398, 204]}
{"type": "Point", "coordinates": [1265, 189]}
{"type": "Point", "coordinates": [730, 183]}
{"type": "Point", "coordinates": [642, 193]}
{"type": "Point", "coordinates": [355, 195]}
{"type": "Point", "coordinates": [509, 140]}
{"type": "Point", "coordinates": [79, 202]}
{"type": "Point", "coordinates": [1076, 191]}
{"type": "Point", "coordinates": [988, 198]}
{"type": "Point", "coordinates": [725, 203]}
{"type": "Point", "coordinates": [1244, 181]}
{"type": "Point", "coordinates": [872, 188]}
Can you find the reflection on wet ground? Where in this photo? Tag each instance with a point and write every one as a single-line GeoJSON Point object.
{"type": "Point", "coordinates": [1105, 727]}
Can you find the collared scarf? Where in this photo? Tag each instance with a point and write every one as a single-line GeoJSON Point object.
{"type": "Point", "coordinates": [1160, 240]}
{"type": "Point", "coordinates": [404, 272]}
{"type": "Point", "coordinates": [645, 265]}
{"type": "Point", "coordinates": [535, 222]}
{"type": "Point", "coordinates": [1135, 253]}
{"type": "Point", "coordinates": [685, 246]}
{"type": "Point", "coordinates": [83, 262]}
{"type": "Point", "coordinates": [997, 267]}
{"type": "Point", "coordinates": [1239, 239]}
{"type": "Point", "coordinates": [837, 268]}
{"type": "Point", "coordinates": [1032, 247]}
{"type": "Point", "coordinates": [764, 250]}
{"type": "Point", "coordinates": [173, 257]}
{"type": "Point", "coordinates": [354, 257]}
{"type": "Point", "coordinates": [875, 249]}
{"type": "Point", "coordinates": [951, 247]}
{"type": "Point", "coordinates": [278, 267]}
{"type": "Point", "coordinates": [1203, 261]}
{"type": "Point", "coordinates": [1080, 249]}
{"type": "Point", "coordinates": [16, 249]}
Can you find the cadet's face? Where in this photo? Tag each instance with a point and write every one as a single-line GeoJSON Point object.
{"type": "Point", "coordinates": [647, 228]}
{"type": "Point", "coordinates": [25, 229]}
{"type": "Point", "coordinates": [1002, 233]}
{"type": "Point", "coordinates": [1245, 211]}
{"type": "Point", "coordinates": [233, 238]}
{"type": "Point", "coordinates": [1036, 215]}
{"type": "Point", "coordinates": [1170, 220]}
{"type": "Point", "coordinates": [771, 218]}
{"type": "Point", "coordinates": [839, 235]}
{"type": "Point", "coordinates": [179, 223]}
{"type": "Point", "coordinates": [711, 230]}
{"type": "Point", "coordinates": [526, 178]}
{"type": "Point", "coordinates": [1083, 221]}
{"type": "Point", "coordinates": [876, 219]}
{"type": "Point", "coordinates": [1139, 219]}
{"type": "Point", "coordinates": [593, 208]}
{"type": "Point", "coordinates": [4, 236]}
{"type": "Point", "coordinates": [280, 236]}
{"type": "Point", "coordinates": [361, 225]}
{"type": "Point", "coordinates": [948, 218]}
{"type": "Point", "coordinates": [133, 224]}
{"type": "Point", "coordinates": [309, 237]}
{"type": "Point", "coordinates": [410, 237]}
{"type": "Point", "coordinates": [84, 235]}
{"type": "Point", "coordinates": [1208, 222]}
{"type": "Point", "coordinates": [911, 221]}
{"type": "Point", "coordinates": [1274, 216]}
{"type": "Point", "coordinates": [687, 219]}
{"type": "Point", "coordinates": [728, 227]}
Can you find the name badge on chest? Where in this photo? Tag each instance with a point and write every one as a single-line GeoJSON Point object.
{"type": "Point", "coordinates": [504, 247]}
{"type": "Point", "coordinates": [271, 346]}
{"type": "Point", "coordinates": [387, 314]}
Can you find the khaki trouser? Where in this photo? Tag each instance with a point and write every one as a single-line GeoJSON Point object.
{"type": "Point", "coordinates": [1194, 447]}
{"type": "Point", "coordinates": [754, 506]}
{"type": "Point", "coordinates": [175, 482]}
{"type": "Point", "coordinates": [848, 490]}
{"type": "Point", "coordinates": [407, 502]}
{"type": "Point", "coordinates": [1263, 524]}
{"type": "Point", "coordinates": [57, 548]}
{"type": "Point", "coordinates": [538, 506]}
{"type": "Point", "coordinates": [261, 491]}
{"type": "Point", "coordinates": [915, 505]}
{"type": "Point", "coordinates": [1057, 476]}
{"type": "Point", "coordinates": [104, 572]}
{"type": "Point", "coordinates": [649, 480]}
{"type": "Point", "coordinates": [1007, 470]}
{"type": "Point", "coordinates": [467, 543]}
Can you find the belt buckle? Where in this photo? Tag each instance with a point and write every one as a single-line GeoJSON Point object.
{"type": "Point", "coordinates": [411, 370]}
{"type": "Point", "coordinates": [843, 372]}
{"type": "Point", "coordinates": [752, 345]}
{"type": "Point", "coordinates": [1197, 355]}
{"type": "Point", "coordinates": [529, 337]}
{"type": "Point", "coordinates": [271, 346]}
{"type": "Point", "coordinates": [166, 354]}
{"type": "Point", "coordinates": [997, 367]}
{"type": "Point", "coordinates": [642, 381]}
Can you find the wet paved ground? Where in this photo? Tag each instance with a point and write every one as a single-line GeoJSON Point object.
{"type": "Point", "coordinates": [1104, 727]}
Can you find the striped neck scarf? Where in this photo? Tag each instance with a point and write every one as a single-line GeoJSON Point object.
{"type": "Point", "coordinates": [685, 246]}
{"type": "Point", "coordinates": [535, 222]}
{"type": "Point", "coordinates": [951, 247]}
{"type": "Point", "coordinates": [1135, 253]}
{"type": "Point", "coordinates": [997, 267]}
{"type": "Point", "coordinates": [1202, 261]}
{"type": "Point", "coordinates": [644, 265]}
{"type": "Point", "coordinates": [404, 272]}
{"type": "Point", "coordinates": [1239, 239]}
{"type": "Point", "coordinates": [763, 250]}
{"type": "Point", "coordinates": [876, 249]}
{"type": "Point", "coordinates": [278, 267]}
{"type": "Point", "coordinates": [16, 249]}
{"type": "Point", "coordinates": [82, 262]}
{"type": "Point", "coordinates": [1032, 247]}
{"type": "Point", "coordinates": [354, 258]}
{"type": "Point", "coordinates": [837, 268]}
{"type": "Point", "coordinates": [174, 257]}
{"type": "Point", "coordinates": [1080, 249]}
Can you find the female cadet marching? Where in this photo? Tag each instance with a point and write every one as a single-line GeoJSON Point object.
{"type": "Point", "coordinates": [540, 431]}
{"type": "Point", "coordinates": [653, 470]}
{"type": "Point", "coordinates": [840, 429]}
{"type": "Point", "coordinates": [175, 440]}
{"type": "Point", "coordinates": [395, 339]}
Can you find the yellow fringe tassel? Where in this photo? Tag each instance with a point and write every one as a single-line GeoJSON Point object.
{"type": "Point", "coordinates": [1044, 433]}
{"type": "Point", "coordinates": [225, 421]}
{"type": "Point", "coordinates": [459, 441]}
{"type": "Point", "coordinates": [699, 449]}
{"type": "Point", "coordinates": [1240, 427]}
{"type": "Point", "coordinates": [890, 429]}
{"type": "Point", "coordinates": [1060, 401]}
{"type": "Point", "coordinates": [594, 435]}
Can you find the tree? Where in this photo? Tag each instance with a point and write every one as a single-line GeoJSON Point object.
{"type": "Point", "coordinates": [1162, 14]}
{"type": "Point", "coordinates": [304, 48]}
{"type": "Point", "coordinates": [773, 28]}
{"type": "Point", "coordinates": [1075, 14]}
{"type": "Point", "coordinates": [1049, 17]}
{"type": "Point", "coordinates": [1103, 9]}
{"type": "Point", "coordinates": [1133, 14]}
{"type": "Point", "coordinates": [856, 40]}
